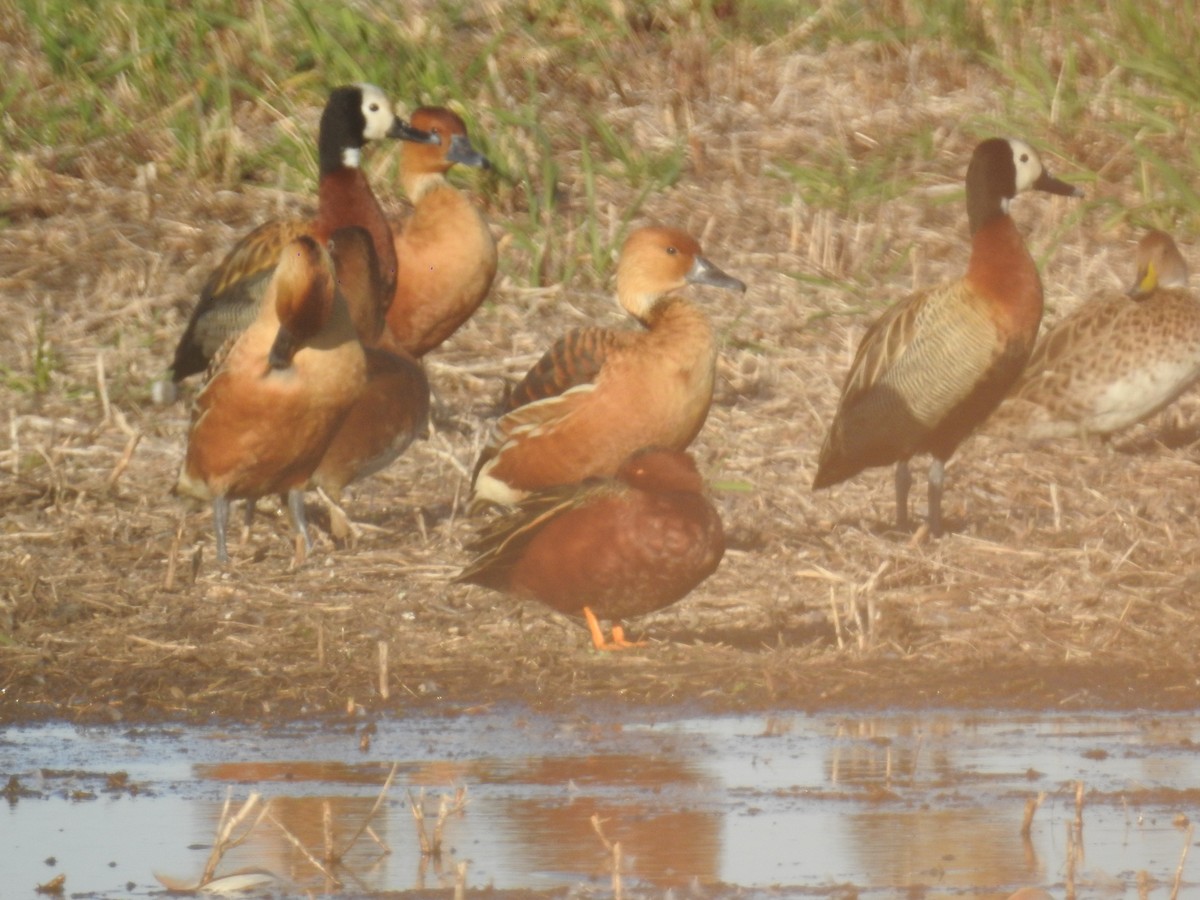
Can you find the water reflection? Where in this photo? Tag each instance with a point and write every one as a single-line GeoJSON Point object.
{"type": "Point", "coordinates": [948, 849]}
{"type": "Point", "coordinates": [922, 805]}
{"type": "Point", "coordinates": [549, 832]}
{"type": "Point", "coordinates": [293, 771]}
{"type": "Point", "coordinates": [301, 824]}
{"type": "Point", "coordinates": [661, 847]}
{"type": "Point", "coordinates": [635, 799]}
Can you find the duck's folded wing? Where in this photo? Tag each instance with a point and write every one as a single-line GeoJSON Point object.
{"type": "Point", "coordinates": [575, 359]}
{"type": "Point", "coordinates": [930, 351]}
{"type": "Point", "coordinates": [500, 542]}
{"type": "Point", "coordinates": [230, 298]}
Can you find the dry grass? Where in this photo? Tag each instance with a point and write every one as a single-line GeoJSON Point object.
{"type": "Point", "coordinates": [1069, 578]}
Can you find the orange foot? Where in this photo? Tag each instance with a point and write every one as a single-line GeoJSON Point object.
{"type": "Point", "coordinates": [618, 641]}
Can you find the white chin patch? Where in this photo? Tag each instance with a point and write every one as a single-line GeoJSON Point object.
{"type": "Point", "coordinates": [351, 157]}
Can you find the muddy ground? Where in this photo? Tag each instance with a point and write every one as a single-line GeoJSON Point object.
{"type": "Point", "coordinates": [1068, 580]}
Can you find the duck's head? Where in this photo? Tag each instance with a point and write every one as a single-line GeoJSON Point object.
{"type": "Point", "coordinates": [655, 261]}
{"type": "Point", "coordinates": [1000, 169]}
{"type": "Point", "coordinates": [452, 144]}
{"type": "Point", "coordinates": [1159, 264]}
{"type": "Point", "coordinates": [354, 115]}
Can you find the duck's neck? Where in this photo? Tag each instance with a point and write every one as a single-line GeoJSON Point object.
{"type": "Point", "coordinates": [681, 330]}
{"type": "Point", "coordinates": [671, 309]}
{"type": "Point", "coordinates": [1002, 271]}
{"type": "Point", "coordinates": [417, 184]}
{"type": "Point", "coordinates": [345, 198]}
{"type": "Point", "coordinates": [683, 345]}
{"type": "Point", "coordinates": [983, 206]}
{"type": "Point", "coordinates": [647, 307]}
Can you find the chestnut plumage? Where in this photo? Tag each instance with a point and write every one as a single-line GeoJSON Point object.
{"type": "Point", "coordinates": [617, 547]}
{"type": "Point", "coordinates": [936, 364]}
{"type": "Point", "coordinates": [599, 394]}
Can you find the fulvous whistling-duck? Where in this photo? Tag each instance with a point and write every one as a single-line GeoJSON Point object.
{"type": "Point", "coordinates": [599, 394]}
{"type": "Point", "coordinates": [1117, 359]}
{"type": "Point", "coordinates": [391, 411]}
{"type": "Point", "coordinates": [445, 252]}
{"type": "Point", "coordinates": [276, 393]}
{"type": "Point", "coordinates": [388, 415]}
{"type": "Point", "coordinates": [229, 300]}
{"type": "Point", "coordinates": [610, 548]}
{"type": "Point", "coordinates": [936, 364]}
{"type": "Point", "coordinates": [446, 262]}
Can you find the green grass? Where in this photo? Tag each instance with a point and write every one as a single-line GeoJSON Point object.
{"type": "Point", "coordinates": [838, 182]}
{"type": "Point", "coordinates": [212, 95]}
{"type": "Point", "coordinates": [45, 358]}
{"type": "Point", "coordinates": [44, 362]}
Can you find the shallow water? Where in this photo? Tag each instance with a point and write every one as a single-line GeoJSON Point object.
{"type": "Point", "coordinates": [912, 805]}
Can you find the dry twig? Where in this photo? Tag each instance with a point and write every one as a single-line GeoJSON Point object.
{"type": "Point", "coordinates": [303, 851]}
{"type": "Point", "coordinates": [614, 851]}
{"type": "Point", "coordinates": [225, 828]}
{"type": "Point", "coordinates": [1031, 806]}
{"type": "Point", "coordinates": [1187, 843]}
{"type": "Point", "coordinates": [339, 855]}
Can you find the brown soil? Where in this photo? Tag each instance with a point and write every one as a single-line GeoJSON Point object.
{"type": "Point", "coordinates": [1068, 581]}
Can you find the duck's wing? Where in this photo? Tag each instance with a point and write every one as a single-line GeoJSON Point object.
{"type": "Point", "coordinates": [916, 364]}
{"type": "Point", "coordinates": [230, 298]}
{"type": "Point", "coordinates": [500, 542]}
{"type": "Point", "coordinates": [575, 359]}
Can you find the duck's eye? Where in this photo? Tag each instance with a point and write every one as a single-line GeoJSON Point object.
{"type": "Point", "coordinates": [671, 251]}
{"type": "Point", "coordinates": [1024, 157]}
{"type": "Point", "coordinates": [374, 107]}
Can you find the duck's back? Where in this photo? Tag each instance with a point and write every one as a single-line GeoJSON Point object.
{"type": "Point", "coordinates": [1113, 362]}
{"type": "Point", "coordinates": [926, 373]}
{"type": "Point", "coordinates": [625, 555]}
